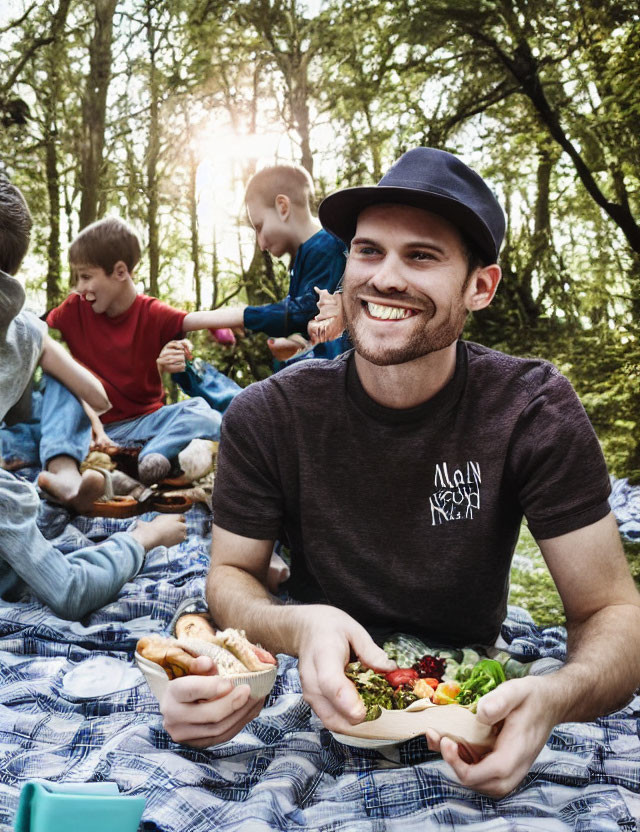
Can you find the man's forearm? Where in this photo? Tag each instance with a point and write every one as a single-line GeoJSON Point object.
{"type": "Point", "coordinates": [238, 599]}
{"type": "Point", "coordinates": [603, 667]}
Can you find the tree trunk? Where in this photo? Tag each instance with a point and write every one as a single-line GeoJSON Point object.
{"type": "Point", "coordinates": [300, 112]}
{"type": "Point", "coordinates": [54, 293]}
{"type": "Point", "coordinates": [539, 244]}
{"type": "Point", "coordinates": [259, 273]}
{"type": "Point", "coordinates": [215, 271]}
{"type": "Point", "coordinates": [153, 153]}
{"type": "Point", "coordinates": [94, 103]}
{"type": "Point", "coordinates": [193, 222]}
{"type": "Point", "coordinates": [51, 102]}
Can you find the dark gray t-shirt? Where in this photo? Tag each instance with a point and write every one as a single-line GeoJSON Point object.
{"type": "Point", "coordinates": [407, 519]}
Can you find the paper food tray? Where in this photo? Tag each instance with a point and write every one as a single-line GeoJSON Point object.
{"type": "Point", "coordinates": [393, 727]}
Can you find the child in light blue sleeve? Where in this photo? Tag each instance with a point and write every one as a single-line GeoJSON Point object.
{"type": "Point", "coordinates": [72, 585]}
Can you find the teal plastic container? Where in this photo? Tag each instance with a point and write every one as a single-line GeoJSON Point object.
{"type": "Point", "coordinates": [77, 807]}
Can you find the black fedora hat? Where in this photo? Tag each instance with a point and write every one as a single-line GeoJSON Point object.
{"type": "Point", "coordinates": [431, 179]}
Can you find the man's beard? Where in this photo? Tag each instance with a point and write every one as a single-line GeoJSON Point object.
{"type": "Point", "coordinates": [421, 342]}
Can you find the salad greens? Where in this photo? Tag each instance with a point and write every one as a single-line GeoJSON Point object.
{"type": "Point", "coordinates": [467, 678]}
{"type": "Point", "coordinates": [376, 692]}
{"type": "Point", "coordinates": [485, 676]}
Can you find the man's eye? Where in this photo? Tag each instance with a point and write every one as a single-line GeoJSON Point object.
{"type": "Point", "coordinates": [422, 255]}
{"type": "Point", "coordinates": [367, 250]}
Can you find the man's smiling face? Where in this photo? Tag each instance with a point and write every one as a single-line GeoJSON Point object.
{"type": "Point", "coordinates": [404, 284]}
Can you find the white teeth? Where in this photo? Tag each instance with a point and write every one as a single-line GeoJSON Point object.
{"type": "Point", "coordinates": [387, 313]}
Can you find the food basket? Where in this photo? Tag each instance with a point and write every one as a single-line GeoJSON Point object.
{"type": "Point", "coordinates": [260, 682]}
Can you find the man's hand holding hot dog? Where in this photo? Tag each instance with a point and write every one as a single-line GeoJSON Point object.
{"type": "Point", "coordinates": [323, 637]}
{"type": "Point", "coordinates": [205, 709]}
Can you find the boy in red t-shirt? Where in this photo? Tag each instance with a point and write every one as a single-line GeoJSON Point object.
{"type": "Point", "coordinates": [118, 334]}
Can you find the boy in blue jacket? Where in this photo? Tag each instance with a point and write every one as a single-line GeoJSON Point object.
{"type": "Point", "coordinates": [278, 201]}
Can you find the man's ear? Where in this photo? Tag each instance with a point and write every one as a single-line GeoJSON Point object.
{"type": "Point", "coordinates": [482, 287]}
{"type": "Point", "coordinates": [120, 271]}
{"type": "Point", "coordinates": [283, 206]}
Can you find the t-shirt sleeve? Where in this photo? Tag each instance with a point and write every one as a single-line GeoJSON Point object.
{"type": "Point", "coordinates": [65, 317]}
{"type": "Point", "coordinates": [168, 321]}
{"type": "Point", "coordinates": [557, 463]}
{"type": "Point", "coordinates": [247, 495]}
{"type": "Point", "coordinates": [56, 317]}
{"type": "Point", "coordinates": [36, 328]}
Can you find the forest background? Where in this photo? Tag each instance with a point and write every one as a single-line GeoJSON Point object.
{"type": "Point", "coordinates": [160, 110]}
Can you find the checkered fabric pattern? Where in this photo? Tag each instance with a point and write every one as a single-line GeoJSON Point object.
{"type": "Point", "coordinates": [284, 771]}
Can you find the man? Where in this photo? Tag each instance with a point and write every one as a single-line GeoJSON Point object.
{"type": "Point", "coordinates": [404, 510]}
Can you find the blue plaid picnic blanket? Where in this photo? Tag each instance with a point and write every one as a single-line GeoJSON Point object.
{"type": "Point", "coordinates": [625, 504]}
{"type": "Point", "coordinates": [74, 708]}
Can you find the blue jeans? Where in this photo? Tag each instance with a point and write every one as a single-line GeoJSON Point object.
{"type": "Point", "coordinates": [169, 429]}
{"type": "Point", "coordinates": [65, 427]}
{"type": "Point", "coordinates": [20, 443]}
{"type": "Point", "coordinates": [58, 426]}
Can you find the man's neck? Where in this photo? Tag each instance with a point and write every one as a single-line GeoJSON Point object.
{"type": "Point", "coordinates": [123, 302]}
{"type": "Point", "coordinates": [402, 386]}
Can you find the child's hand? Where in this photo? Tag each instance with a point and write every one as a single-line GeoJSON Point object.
{"type": "Point", "coordinates": [174, 356]}
{"type": "Point", "coordinates": [329, 306]}
{"type": "Point", "coordinates": [328, 324]}
{"type": "Point", "coordinates": [101, 441]}
{"type": "Point", "coordinates": [285, 348]}
{"type": "Point", "coordinates": [164, 530]}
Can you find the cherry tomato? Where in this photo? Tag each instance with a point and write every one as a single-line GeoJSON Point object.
{"type": "Point", "coordinates": [401, 676]}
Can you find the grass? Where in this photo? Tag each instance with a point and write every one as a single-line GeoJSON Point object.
{"type": "Point", "coordinates": [532, 586]}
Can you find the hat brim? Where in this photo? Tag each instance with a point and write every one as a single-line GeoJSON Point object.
{"type": "Point", "coordinates": [339, 212]}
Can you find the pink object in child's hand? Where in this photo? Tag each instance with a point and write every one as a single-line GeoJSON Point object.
{"type": "Point", "coordinates": [223, 336]}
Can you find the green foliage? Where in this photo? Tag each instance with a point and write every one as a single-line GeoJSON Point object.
{"type": "Point", "coordinates": [541, 98]}
{"type": "Point", "coordinates": [248, 361]}
{"type": "Point", "coordinates": [532, 586]}
{"type": "Point", "coordinates": [604, 367]}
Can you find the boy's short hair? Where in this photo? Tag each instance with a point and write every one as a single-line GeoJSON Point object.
{"type": "Point", "coordinates": [291, 180]}
{"type": "Point", "coordinates": [15, 226]}
{"type": "Point", "coordinates": [104, 243]}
